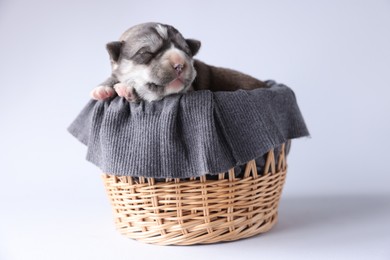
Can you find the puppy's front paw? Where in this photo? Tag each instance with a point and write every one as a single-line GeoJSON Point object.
{"type": "Point", "coordinates": [126, 91]}
{"type": "Point", "coordinates": [102, 93]}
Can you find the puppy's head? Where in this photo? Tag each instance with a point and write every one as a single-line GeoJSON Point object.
{"type": "Point", "coordinates": [154, 59]}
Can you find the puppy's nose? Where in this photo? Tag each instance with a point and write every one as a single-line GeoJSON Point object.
{"type": "Point", "coordinates": [178, 67]}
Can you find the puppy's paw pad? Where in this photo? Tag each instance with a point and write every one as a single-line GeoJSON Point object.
{"type": "Point", "coordinates": [102, 93]}
{"type": "Point", "coordinates": [122, 89]}
{"type": "Point", "coordinates": [125, 91]}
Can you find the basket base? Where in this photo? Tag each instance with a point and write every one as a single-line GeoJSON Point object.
{"type": "Point", "coordinates": [201, 238]}
{"type": "Point", "coordinates": [200, 210]}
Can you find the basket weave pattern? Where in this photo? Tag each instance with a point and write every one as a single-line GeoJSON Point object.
{"type": "Point", "coordinates": [199, 210]}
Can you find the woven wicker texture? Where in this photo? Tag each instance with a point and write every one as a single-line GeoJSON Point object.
{"type": "Point", "coordinates": [198, 210]}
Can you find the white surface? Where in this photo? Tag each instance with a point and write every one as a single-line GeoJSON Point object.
{"type": "Point", "coordinates": [310, 227]}
{"type": "Point", "coordinates": [334, 54]}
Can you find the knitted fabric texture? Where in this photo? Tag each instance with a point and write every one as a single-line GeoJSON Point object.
{"type": "Point", "coordinates": [188, 135]}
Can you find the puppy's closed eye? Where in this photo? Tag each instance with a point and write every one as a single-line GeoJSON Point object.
{"type": "Point", "coordinates": [143, 52]}
{"type": "Point", "coordinates": [143, 56]}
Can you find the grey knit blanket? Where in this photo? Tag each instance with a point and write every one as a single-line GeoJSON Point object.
{"type": "Point", "coordinates": [188, 135]}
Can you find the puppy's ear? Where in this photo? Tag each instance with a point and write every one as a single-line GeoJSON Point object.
{"type": "Point", "coordinates": [114, 49]}
{"type": "Point", "coordinates": [194, 46]}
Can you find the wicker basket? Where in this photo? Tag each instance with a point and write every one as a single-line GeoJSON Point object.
{"type": "Point", "coordinates": [199, 210]}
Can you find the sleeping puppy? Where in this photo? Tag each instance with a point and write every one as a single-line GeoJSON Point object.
{"type": "Point", "coordinates": [152, 60]}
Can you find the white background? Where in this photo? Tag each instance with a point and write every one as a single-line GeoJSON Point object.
{"type": "Point", "coordinates": [335, 55]}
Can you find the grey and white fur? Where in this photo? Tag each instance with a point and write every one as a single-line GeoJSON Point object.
{"type": "Point", "coordinates": [153, 60]}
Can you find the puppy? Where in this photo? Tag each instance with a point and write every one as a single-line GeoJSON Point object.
{"type": "Point", "coordinates": [153, 60]}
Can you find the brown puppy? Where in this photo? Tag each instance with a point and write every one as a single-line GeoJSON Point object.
{"type": "Point", "coordinates": [152, 60]}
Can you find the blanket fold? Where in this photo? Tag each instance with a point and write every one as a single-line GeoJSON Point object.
{"type": "Point", "coordinates": [188, 135]}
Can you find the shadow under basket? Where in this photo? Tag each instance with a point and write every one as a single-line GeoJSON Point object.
{"type": "Point", "coordinates": [199, 210]}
